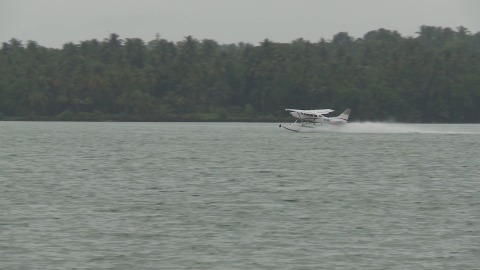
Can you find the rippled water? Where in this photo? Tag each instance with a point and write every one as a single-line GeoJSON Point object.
{"type": "Point", "coordinates": [238, 196]}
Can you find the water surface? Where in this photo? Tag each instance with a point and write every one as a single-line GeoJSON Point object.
{"type": "Point", "coordinates": [238, 196]}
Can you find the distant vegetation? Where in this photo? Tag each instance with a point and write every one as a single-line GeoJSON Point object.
{"type": "Point", "coordinates": [433, 77]}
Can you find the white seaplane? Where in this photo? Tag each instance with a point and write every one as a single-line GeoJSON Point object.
{"type": "Point", "coordinates": [311, 120]}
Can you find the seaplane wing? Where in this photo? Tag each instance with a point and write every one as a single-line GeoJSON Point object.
{"type": "Point", "coordinates": [321, 111]}
{"type": "Point", "coordinates": [316, 113]}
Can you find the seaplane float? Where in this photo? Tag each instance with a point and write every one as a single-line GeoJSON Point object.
{"type": "Point", "coordinates": [315, 120]}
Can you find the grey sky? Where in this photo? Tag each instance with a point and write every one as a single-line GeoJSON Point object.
{"type": "Point", "coordinates": [54, 22]}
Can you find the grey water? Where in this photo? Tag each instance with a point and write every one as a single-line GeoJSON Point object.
{"type": "Point", "coordinates": [238, 196]}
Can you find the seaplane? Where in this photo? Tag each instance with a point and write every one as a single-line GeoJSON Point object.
{"type": "Point", "coordinates": [311, 120]}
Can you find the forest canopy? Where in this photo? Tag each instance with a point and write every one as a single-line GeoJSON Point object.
{"type": "Point", "coordinates": [432, 77]}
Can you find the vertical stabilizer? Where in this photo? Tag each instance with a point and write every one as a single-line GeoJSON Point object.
{"type": "Point", "coordinates": [344, 115]}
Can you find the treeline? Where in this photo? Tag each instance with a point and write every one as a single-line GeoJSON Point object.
{"type": "Point", "coordinates": [433, 77]}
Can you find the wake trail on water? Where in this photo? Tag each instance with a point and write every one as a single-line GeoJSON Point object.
{"type": "Point", "coordinates": [383, 127]}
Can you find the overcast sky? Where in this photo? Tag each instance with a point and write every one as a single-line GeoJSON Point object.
{"type": "Point", "coordinates": [53, 23]}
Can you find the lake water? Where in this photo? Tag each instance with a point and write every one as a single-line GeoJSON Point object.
{"type": "Point", "coordinates": [238, 196]}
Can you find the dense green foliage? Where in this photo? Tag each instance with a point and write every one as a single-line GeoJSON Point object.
{"type": "Point", "coordinates": [434, 77]}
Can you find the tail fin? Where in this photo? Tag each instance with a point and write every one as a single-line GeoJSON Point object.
{"type": "Point", "coordinates": [344, 115]}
